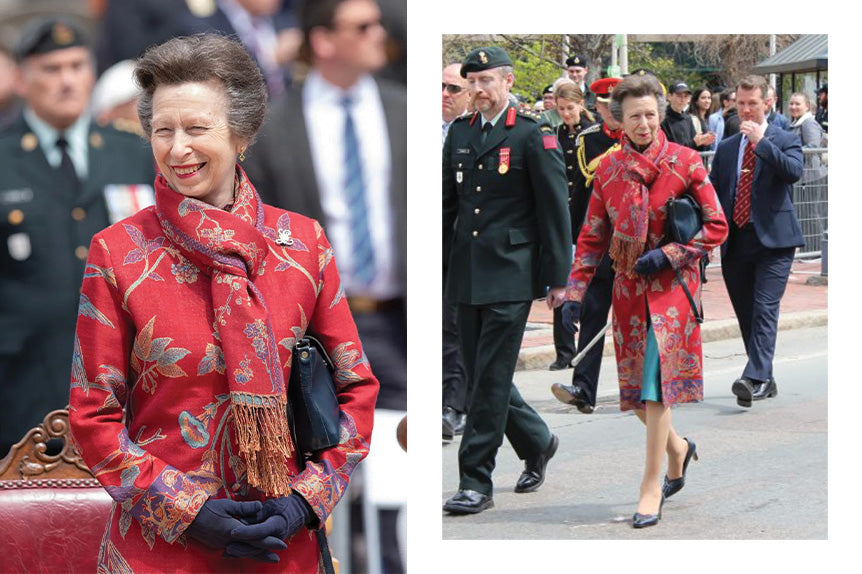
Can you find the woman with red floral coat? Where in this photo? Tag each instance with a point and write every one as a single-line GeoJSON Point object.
{"type": "Point", "coordinates": [188, 316]}
{"type": "Point", "coordinates": [656, 336]}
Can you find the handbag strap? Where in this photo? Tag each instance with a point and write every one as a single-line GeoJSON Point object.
{"type": "Point", "coordinates": [698, 313]}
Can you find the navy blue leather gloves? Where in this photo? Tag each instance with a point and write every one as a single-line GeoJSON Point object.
{"type": "Point", "coordinates": [571, 314]}
{"type": "Point", "coordinates": [277, 520]}
{"type": "Point", "coordinates": [651, 262]}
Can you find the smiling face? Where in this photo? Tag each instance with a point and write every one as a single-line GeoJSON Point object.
{"type": "Point", "coordinates": [569, 110]}
{"type": "Point", "coordinates": [704, 100]}
{"type": "Point", "coordinates": [192, 143]}
{"type": "Point", "coordinates": [641, 119]}
{"type": "Point", "coordinates": [577, 74]}
{"type": "Point", "coordinates": [798, 106]}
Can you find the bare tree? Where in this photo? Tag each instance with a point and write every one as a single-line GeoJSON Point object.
{"type": "Point", "coordinates": [736, 54]}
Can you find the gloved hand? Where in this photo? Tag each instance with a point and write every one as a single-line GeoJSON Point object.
{"type": "Point", "coordinates": [219, 517]}
{"type": "Point", "coordinates": [651, 262]}
{"type": "Point", "coordinates": [278, 519]}
{"type": "Point", "coordinates": [571, 314]}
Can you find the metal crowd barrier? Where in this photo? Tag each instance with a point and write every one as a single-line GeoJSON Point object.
{"type": "Point", "coordinates": [810, 199]}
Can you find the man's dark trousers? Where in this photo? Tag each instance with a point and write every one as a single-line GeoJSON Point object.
{"type": "Point", "coordinates": [490, 340]}
{"type": "Point", "coordinates": [455, 388]}
{"type": "Point", "coordinates": [756, 278]}
{"type": "Point", "coordinates": [594, 318]}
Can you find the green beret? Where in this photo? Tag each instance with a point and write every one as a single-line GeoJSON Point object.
{"type": "Point", "coordinates": [46, 35]}
{"type": "Point", "coordinates": [482, 59]}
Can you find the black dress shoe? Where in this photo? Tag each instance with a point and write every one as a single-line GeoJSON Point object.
{"type": "Point", "coordinates": [534, 471]}
{"type": "Point", "coordinates": [743, 388]}
{"type": "Point", "coordinates": [765, 390]}
{"type": "Point", "coordinates": [560, 364]}
{"type": "Point", "coordinates": [673, 485]}
{"type": "Point", "coordinates": [468, 502]}
{"type": "Point", "coordinates": [454, 422]}
{"type": "Point", "coordinates": [448, 431]}
{"type": "Point", "coordinates": [572, 395]}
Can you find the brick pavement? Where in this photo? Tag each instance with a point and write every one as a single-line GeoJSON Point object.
{"type": "Point", "coordinates": [807, 291]}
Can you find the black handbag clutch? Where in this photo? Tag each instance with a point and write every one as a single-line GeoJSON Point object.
{"type": "Point", "coordinates": [311, 398]}
{"type": "Point", "coordinates": [682, 224]}
{"type": "Point", "coordinates": [683, 219]}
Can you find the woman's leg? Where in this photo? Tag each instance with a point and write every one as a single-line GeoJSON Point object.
{"type": "Point", "coordinates": [676, 448]}
{"type": "Point", "coordinates": [658, 419]}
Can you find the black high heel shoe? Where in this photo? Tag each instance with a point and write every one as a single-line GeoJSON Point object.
{"type": "Point", "coordinates": [643, 520]}
{"type": "Point", "coordinates": [672, 486]}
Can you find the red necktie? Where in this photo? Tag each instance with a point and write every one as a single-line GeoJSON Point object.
{"type": "Point", "coordinates": [742, 207]}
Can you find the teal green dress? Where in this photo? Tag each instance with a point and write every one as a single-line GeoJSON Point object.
{"type": "Point", "coordinates": [651, 381]}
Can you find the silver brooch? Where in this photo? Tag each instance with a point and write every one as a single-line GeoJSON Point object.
{"type": "Point", "coordinates": [284, 237]}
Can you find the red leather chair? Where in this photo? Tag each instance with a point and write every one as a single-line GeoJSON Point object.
{"type": "Point", "coordinates": [54, 512]}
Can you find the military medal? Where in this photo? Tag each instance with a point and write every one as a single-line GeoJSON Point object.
{"type": "Point", "coordinates": [504, 160]}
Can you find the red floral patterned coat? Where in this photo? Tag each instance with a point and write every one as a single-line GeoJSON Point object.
{"type": "Point", "coordinates": [677, 332]}
{"type": "Point", "coordinates": [144, 342]}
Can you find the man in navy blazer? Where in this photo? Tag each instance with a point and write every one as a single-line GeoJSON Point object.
{"type": "Point", "coordinates": [764, 231]}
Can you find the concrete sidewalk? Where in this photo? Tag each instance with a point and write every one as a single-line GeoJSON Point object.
{"type": "Point", "coordinates": [804, 305]}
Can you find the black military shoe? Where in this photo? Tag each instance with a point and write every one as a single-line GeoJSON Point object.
{"type": "Point", "coordinates": [572, 395]}
{"type": "Point", "coordinates": [468, 502]}
{"type": "Point", "coordinates": [765, 390]}
{"type": "Point", "coordinates": [560, 364]}
{"type": "Point", "coordinates": [534, 469]}
{"type": "Point", "coordinates": [455, 421]}
{"type": "Point", "coordinates": [743, 388]}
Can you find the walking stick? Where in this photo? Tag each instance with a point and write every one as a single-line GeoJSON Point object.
{"type": "Point", "coordinates": [600, 335]}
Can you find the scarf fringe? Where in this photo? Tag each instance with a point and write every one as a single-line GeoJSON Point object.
{"type": "Point", "coordinates": [625, 252]}
{"type": "Point", "coordinates": [264, 441]}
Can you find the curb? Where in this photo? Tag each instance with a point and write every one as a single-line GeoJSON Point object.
{"type": "Point", "coordinates": [718, 330]}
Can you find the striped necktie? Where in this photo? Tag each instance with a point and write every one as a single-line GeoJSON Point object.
{"type": "Point", "coordinates": [742, 206]}
{"type": "Point", "coordinates": [362, 255]}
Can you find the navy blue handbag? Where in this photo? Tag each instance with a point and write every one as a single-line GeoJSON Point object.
{"type": "Point", "coordinates": [682, 224]}
{"type": "Point", "coordinates": [311, 397]}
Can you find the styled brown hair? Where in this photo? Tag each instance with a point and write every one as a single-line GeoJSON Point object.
{"type": "Point", "coordinates": [637, 86]}
{"type": "Point", "coordinates": [569, 90]}
{"type": "Point", "coordinates": [314, 14]}
{"type": "Point", "coordinates": [754, 82]}
{"type": "Point", "coordinates": [202, 58]}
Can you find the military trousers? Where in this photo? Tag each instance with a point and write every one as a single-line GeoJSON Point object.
{"type": "Point", "coordinates": [490, 340]}
{"type": "Point", "coordinates": [594, 317]}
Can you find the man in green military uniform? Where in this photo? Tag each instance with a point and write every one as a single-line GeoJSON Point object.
{"type": "Point", "coordinates": [593, 145]}
{"type": "Point", "coordinates": [64, 179]}
{"type": "Point", "coordinates": [505, 201]}
{"type": "Point", "coordinates": [577, 69]}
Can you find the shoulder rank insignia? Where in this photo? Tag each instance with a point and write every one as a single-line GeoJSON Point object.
{"type": "Point", "coordinates": [511, 113]}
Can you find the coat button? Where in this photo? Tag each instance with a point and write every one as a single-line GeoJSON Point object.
{"type": "Point", "coordinates": [568, 151]}
{"type": "Point", "coordinates": [570, 184]}
{"type": "Point", "coordinates": [480, 166]}
{"type": "Point", "coordinates": [78, 214]}
{"type": "Point", "coordinates": [478, 188]}
{"type": "Point", "coordinates": [569, 167]}
{"type": "Point", "coordinates": [475, 233]}
{"type": "Point", "coordinates": [16, 216]}
{"type": "Point", "coordinates": [476, 211]}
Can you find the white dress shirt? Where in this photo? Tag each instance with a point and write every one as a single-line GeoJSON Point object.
{"type": "Point", "coordinates": [324, 116]}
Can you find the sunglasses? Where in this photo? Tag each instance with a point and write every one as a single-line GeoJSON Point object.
{"type": "Point", "coordinates": [452, 88]}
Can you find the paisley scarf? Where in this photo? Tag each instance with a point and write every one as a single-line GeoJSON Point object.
{"type": "Point", "coordinates": [640, 168]}
{"type": "Point", "coordinates": [230, 247]}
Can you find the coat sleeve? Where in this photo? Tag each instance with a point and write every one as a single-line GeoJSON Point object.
{"type": "Point", "coordinates": [163, 499]}
{"type": "Point", "coordinates": [784, 156]}
{"type": "Point", "coordinates": [327, 474]}
{"type": "Point", "coordinates": [593, 241]}
{"type": "Point", "coordinates": [450, 199]}
{"type": "Point", "coordinates": [714, 230]}
{"type": "Point", "coordinates": [547, 173]}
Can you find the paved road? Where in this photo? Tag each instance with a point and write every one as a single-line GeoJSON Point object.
{"type": "Point", "coordinates": [762, 472]}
